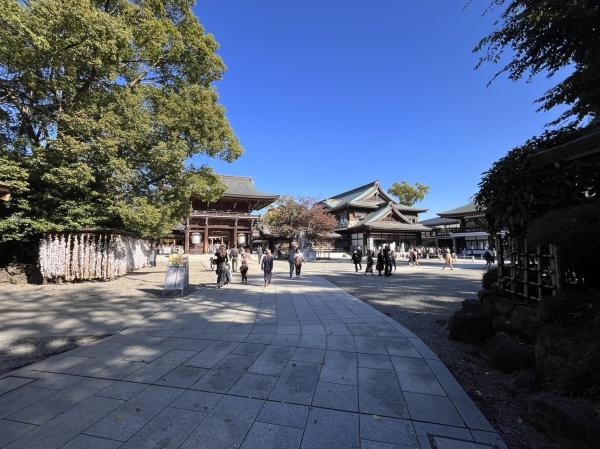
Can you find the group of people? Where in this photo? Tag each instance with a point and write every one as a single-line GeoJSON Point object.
{"type": "Point", "coordinates": [221, 260]}
{"type": "Point", "coordinates": [223, 256]}
{"type": "Point", "coordinates": [386, 259]}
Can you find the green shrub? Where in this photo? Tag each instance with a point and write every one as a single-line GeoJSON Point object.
{"type": "Point", "coordinates": [572, 308]}
{"type": "Point", "coordinates": [569, 361]}
{"type": "Point", "coordinates": [490, 277]}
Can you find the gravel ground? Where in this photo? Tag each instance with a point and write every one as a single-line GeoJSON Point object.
{"type": "Point", "coordinates": [423, 299]}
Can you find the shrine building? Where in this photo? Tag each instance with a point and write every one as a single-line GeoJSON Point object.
{"type": "Point", "coordinates": [369, 218]}
{"type": "Point", "coordinates": [228, 221]}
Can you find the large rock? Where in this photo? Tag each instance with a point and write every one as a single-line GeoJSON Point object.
{"type": "Point", "coordinates": [16, 268]}
{"type": "Point", "coordinates": [574, 423]}
{"type": "Point", "coordinates": [497, 305]}
{"type": "Point", "coordinates": [4, 276]}
{"type": "Point", "coordinates": [526, 321]}
{"type": "Point", "coordinates": [18, 279]}
{"type": "Point", "coordinates": [508, 354]}
{"type": "Point", "coordinates": [565, 357]}
{"type": "Point", "coordinates": [522, 381]}
{"type": "Point", "coordinates": [471, 305]}
{"type": "Point", "coordinates": [501, 324]}
{"type": "Point", "coordinates": [471, 327]}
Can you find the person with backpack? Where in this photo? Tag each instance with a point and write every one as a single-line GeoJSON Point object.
{"type": "Point", "coordinates": [298, 261]}
{"type": "Point", "coordinates": [291, 259]}
{"type": "Point", "coordinates": [233, 255]}
{"type": "Point", "coordinates": [360, 256]}
{"type": "Point", "coordinates": [355, 260]}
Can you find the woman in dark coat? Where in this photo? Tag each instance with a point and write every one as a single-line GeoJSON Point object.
{"type": "Point", "coordinates": [370, 263]}
{"type": "Point", "coordinates": [380, 265]}
{"type": "Point", "coordinates": [222, 270]}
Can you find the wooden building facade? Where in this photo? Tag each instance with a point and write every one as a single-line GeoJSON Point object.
{"type": "Point", "coordinates": [229, 221]}
{"type": "Point", "coordinates": [369, 218]}
{"type": "Point", "coordinates": [469, 235]}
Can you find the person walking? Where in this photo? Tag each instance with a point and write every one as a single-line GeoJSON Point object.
{"type": "Point", "coordinates": [360, 256]}
{"type": "Point", "coordinates": [447, 258]}
{"type": "Point", "coordinates": [244, 266]}
{"type": "Point", "coordinates": [298, 261]}
{"type": "Point", "coordinates": [370, 262]}
{"type": "Point", "coordinates": [355, 260]}
{"type": "Point", "coordinates": [233, 256]}
{"type": "Point", "coordinates": [393, 256]}
{"type": "Point", "coordinates": [291, 259]}
{"type": "Point", "coordinates": [221, 263]}
{"type": "Point", "coordinates": [267, 267]}
{"type": "Point", "coordinates": [379, 266]}
{"type": "Point", "coordinates": [412, 258]}
{"type": "Point", "coordinates": [387, 259]}
{"type": "Point", "coordinates": [259, 253]}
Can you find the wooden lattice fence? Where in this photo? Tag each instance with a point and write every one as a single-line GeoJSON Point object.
{"type": "Point", "coordinates": [528, 272]}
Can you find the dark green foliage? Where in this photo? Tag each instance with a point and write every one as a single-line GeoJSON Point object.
{"type": "Point", "coordinates": [575, 231]}
{"type": "Point", "coordinates": [575, 309]}
{"type": "Point", "coordinates": [545, 37]}
{"type": "Point", "coordinates": [569, 361]}
{"type": "Point", "coordinates": [102, 105]}
{"type": "Point", "coordinates": [490, 277]}
{"type": "Point", "coordinates": [513, 193]}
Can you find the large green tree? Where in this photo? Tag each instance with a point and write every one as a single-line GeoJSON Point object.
{"type": "Point", "coordinates": [102, 105]}
{"type": "Point", "coordinates": [545, 37]}
{"type": "Point", "coordinates": [407, 194]}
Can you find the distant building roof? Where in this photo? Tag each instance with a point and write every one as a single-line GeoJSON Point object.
{"type": "Point", "coordinates": [439, 221]}
{"type": "Point", "coordinates": [243, 186]}
{"type": "Point", "coordinates": [462, 211]}
{"type": "Point", "coordinates": [358, 197]}
{"type": "Point", "coordinates": [374, 221]}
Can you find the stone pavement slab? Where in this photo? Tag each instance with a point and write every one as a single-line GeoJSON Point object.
{"type": "Point", "coordinates": [300, 364]}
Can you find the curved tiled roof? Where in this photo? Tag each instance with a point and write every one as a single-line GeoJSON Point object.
{"type": "Point", "coordinates": [243, 186]}
{"type": "Point", "coordinates": [355, 197]}
{"type": "Point", "coordinates": [467, 209]}
{"type": "Point", "coordinates": [439, 221]}
{"type": "Point", "coordinates": [372, 221]}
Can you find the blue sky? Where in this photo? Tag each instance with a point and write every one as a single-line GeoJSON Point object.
{"type": "Point", "coordinates": [327, 95]}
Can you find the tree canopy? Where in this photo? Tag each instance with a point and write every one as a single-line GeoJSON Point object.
{"type": "Point", "coordinates": [292, 218]}
{"type": "Point", "coordinates": [408, 195]}
{"type": "Point", "coordinates": [514, 193]}
{"type": "Point", "coordinates": [102, 105]}
{"type": "Point", "coordinates": [545, 37]}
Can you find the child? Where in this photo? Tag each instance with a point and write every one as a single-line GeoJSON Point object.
{"type": "Point", "coordinates": [244, 267]}
{"type": "Point", "coordinates": [244, 270]}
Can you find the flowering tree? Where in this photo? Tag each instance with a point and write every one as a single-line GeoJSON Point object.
{"type": "Point", "coordinates": [292, 218]}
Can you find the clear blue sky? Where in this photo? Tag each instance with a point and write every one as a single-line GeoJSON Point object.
{"type": "Point", "coordinates": [327, 95]}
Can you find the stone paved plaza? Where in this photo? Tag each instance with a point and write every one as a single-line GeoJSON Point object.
{"type": "Point", "coordinates": [300, 364]}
